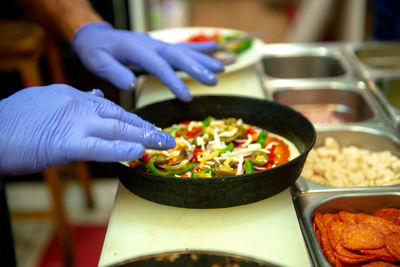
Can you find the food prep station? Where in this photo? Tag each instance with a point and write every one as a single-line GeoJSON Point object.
{"type": "Point", "coordinates": [346, 90]}
{"type": "Point", "coordinates": [338, 79]}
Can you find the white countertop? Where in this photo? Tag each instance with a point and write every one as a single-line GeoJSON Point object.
{"type": "Point", "coordinates": [267, 230]}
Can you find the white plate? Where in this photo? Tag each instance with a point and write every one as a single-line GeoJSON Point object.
{"type": "Point", "coordinates": [245, 59]}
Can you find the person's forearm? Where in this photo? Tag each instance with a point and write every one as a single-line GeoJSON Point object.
{"type": "Point", "coordinates": [62, 17]}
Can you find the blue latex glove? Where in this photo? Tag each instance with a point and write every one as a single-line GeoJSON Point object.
{"type": "Point", "coordinates": [106, 51]}
{"type": "Point", "coordinates": [42, 127]}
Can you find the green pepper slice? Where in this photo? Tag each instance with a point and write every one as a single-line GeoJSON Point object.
{"type": "Point", "coordinates": [206, 122]}
{"type": "Point", "coordinates": [226, 149]}
{"type": "Point", "coordinates": [173, 131]}
{"type": "Point", "coordinates": [239, 46]}
{"type": "Point", "coordinates": [175, 168]}
{"type": "Point", "coordinates": [262, 138]}
{"type": "Point", "coordinates": [242, 46]}
{"type": "Point", "coordinates": [152, 168]}
{"type": "Point", "coordinates": [248, 166]}
{"type": "Point", "coordinates": [185, 169]}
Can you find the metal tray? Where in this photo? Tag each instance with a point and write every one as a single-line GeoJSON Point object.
{"type": "Point", "coordinates": [373, 139]}
{"type": "Point", "coordinates": [305, 61]}
{"type": "Point", "coordinates": [303, 66]}
{"type": "Point", "coordinates": [326, 105]}
{"type": "Point", "coordinates": [291, 75]}
{"type": "Point", "coordinates": [307, 205]}
{"type": "Point", "coordinates": [377, 57]}
{"type": "Point", "coordinates": [347, 86]}
{"type": "Point", "coordinates": [379, 66]}
{"type": "Point", "coordinates": [387, 90]}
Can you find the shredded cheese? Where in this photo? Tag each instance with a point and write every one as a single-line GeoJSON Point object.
{"type": "Point", "coordinates": [240, 163]}
{"type": "Point", "coordinates": [249, 140]}
{"type": "Point", "coordinates": [212, 155]}
{"type": "Point", "coordinates": [228, 133]}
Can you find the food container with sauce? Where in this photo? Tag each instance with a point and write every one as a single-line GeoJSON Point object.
{"type": "Point", "coordinates": [342, 104]}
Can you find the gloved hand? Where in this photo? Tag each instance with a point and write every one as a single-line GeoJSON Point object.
{"type": "Point", "coordinates": [105, 52]}
{"type": "Point", "coordinates": [42, 127]}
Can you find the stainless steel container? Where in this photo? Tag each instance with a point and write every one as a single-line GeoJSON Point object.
{"type": "Point", "coordinates": [379, 64]}
{"type": "Point", "coordinates": [310, 204]}
{"type": "Point", "coordinates": [340, 87]}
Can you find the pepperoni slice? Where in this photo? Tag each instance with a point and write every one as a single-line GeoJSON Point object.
{"type": "Point", "coordinates": [350, 239]}
{"type": "Point", "coordinates": [379, 264]}
{"type": "Point", "coordinates": [323, 239]}
{"type": "Point", "coordinates": [347, 217]}
{"type": "Point", "coordinates": [380, 253]}
{"type": "Point", "coordinates": [318, 221]}
{"type": "Point", "coordinates": [393, 244]}
{"type": "Point", "coordinates": [334, 233]}
{"type": "Point", "coordinates": [328, 218]}
{"type": "Point", "coordinates": [362, 258]}
{"type": "Point", "coordinates": [362, 236]}
{"type": "Point", "coordinates": [383, 224]}
{"type": "Point", "coordinates": [389, 214]}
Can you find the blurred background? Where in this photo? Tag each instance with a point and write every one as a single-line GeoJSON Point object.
{"type": "Point", "coordinates": [79, 205]}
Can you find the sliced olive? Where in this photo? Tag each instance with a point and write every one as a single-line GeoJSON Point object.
{"type": "Point", "coordinates": [241, 133]}
{"type": "Point", "coordinates": [159, 158]}
{"type": "Point", "coordinates": [182, 155]}
{"type": "Point", "coordinates": [223, 170]}
{"type": "Point", "coordinates": [230, 121]}
{"type": "Point", "coordinates": [228, 139]}
{"type": "Point", "coordinates": [259, 158]}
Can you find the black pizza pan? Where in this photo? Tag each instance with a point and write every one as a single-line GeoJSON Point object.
{"type": "Point", "coordinates": [221, 192]}
{"type": "Point", "coordinates": [194, 258]}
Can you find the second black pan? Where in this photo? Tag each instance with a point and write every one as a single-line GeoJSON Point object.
{"type": "Point", "coordinates": [220, 192]}
{"type": "Point", "coordinates": [194, 258]}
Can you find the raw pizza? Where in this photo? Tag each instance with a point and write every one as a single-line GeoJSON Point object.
{"type": "Point", "coordinates": [217, 148]}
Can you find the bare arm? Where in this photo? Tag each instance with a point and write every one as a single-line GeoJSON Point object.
{"type": "Point", "coordinates": [61, 17]}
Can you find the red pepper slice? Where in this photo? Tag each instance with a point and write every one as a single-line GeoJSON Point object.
{"type": "Point", "coordinates": [185, 122]}
{"type": "Point", "coordinates": [145, 158]}
{"type": "Point", "coordinates": [203, 37]}
{"type": "Point", "coordinates": [271, 155]}
{"type": "Point", "coordinates": [133, 164]}
{"type": "Point", "coordinates": [251, 131]}
{"type": "Point", "coordinates": [195, 131]}
{"type": "Point", "coordinates": [196, 152]}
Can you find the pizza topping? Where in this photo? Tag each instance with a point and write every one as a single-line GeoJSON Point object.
{"type": "Point", "coordinates": [224, 147]}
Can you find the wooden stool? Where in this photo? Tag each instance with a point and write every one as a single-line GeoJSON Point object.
{"type": "Point", "coordinates": [22, 46]}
